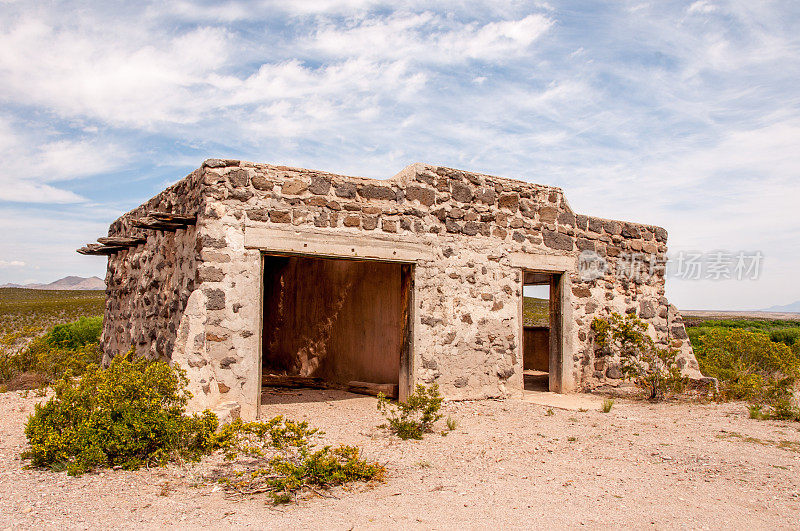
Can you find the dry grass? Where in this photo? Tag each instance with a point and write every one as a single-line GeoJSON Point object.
{"type": "Point", "coordinates": [26, 313]}
{"type": "Point", "coordinates": [536, 312]}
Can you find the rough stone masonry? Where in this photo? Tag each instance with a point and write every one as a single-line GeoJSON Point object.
{"type": "Point", "coordinates": [191, 293]}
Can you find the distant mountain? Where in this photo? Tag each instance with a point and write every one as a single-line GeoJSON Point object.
{"type": "Point", "coordinates": [72, 282]}
{"type": "Point", "coordinates": [793, 307]}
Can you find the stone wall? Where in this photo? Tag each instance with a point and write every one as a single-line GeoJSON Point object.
{"type": "Point", "coordinates": [467, 318]}
{"type": "Point", "coordinates": [148, 286]}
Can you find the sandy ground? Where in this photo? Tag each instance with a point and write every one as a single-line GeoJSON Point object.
{"type": "Point", "coordinates": [508, 464]}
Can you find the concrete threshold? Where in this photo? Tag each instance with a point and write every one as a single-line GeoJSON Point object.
{"type": "Point", "coordinates": [572, 401]}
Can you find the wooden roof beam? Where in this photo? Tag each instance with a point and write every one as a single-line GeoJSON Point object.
{"type": "Point", "coordinates": [121, 241]}
{"type": "Point", "coordinates": [149, 223]}
{"type": "Point", "coordinates": [99, 249]}
{"type": "Point", "coordinates": [168, 217]}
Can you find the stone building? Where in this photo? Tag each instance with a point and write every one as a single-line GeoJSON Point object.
{"type": "Point", "coordinates": [241, 271]}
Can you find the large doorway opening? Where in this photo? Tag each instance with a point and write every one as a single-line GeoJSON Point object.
{"type": "Point", "coordinates": [336, 323]}
{"type": "Point", "coordinates": [541, 331]}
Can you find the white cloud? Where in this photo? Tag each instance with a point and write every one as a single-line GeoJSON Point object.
{"type": "Point", "coordinates": [292, 81]}
{"type": "Point", "coordinates": [110, 73]}
{"type": "Point", "coordinates": [148, 80]}
{"type": "Point", "coordinates": [680, 115]}
{"type": "Point", "coordinates": [28, 192]}
{"type": "Point", "coordinates": [257, 10]}
{"type": "Point", "coordinates": [739, 194]}
{"type": "Point", "coordinates": [68, 159]}
{"type": "Point", "coordinates": [126, 80]}
{"type": "Point", "coordinates": [219, 12]}
{"type": "Point", "coordinates": [430, 38]}
{"type": "Point", "coordinates": [48, 242]}
{"type": "Point", "coordinates": [12, 263]}
{"type": "Point", "coordinates": [33, 161]}
{"type": "Point", "coordinates": [701, 6]}
{"type": "Point", "coordinates": [235, 11]}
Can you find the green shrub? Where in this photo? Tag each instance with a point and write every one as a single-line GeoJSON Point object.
{"type": "Point", "coordinates": [755, 412]}
{"type": "Point", "coordinates": [608, 403]}
{"type": "Point", "coordinates": [53, 362]}
{"type": "Point", "coordinates": [776, 403]}
{"type": "Point", "coordinates": [132, 414]}
{"type": "Point", "coordinates": [787, 336]}
{"type": "Point", "coordinates": [76, 334]}
{"type": "Point", "coordinates": [129, 415]}
{"type": "Point", "coordinates": [414, 417]}
{"type": "Point", "coordinates": [282, 460]}
{"type": "Point", "coordinates": [751, 366]}
{"type": "Point", "coordinates": [651, 367]}
{"type": "Point", "coordinates": [65, 349]}
{"type": "Point", "coordinates": [747, 364]}
{"type": "Point", "coordinates": [782, 331]}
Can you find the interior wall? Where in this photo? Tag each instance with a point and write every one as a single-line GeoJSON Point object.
{"type": "Point", "coordinates": [536, 349]}
{"type": "Point", "coordinates": [341, 320]}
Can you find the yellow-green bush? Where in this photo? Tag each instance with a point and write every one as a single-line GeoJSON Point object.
{"type": "Point", "coordinates": [652, 368]}
{"type": "Point", "coordinates": [414, 417]}
{"type": "Point", "coordinates": [282, 460]}
{"type": "Point", "coordinates": [748, 365]}
{"type": "Point", "coordinates": [67, 348]}
{"type": "Point", "coordinates": [132, 414]}
{"type": "Point", "coordinates": [129, 414]}
{"type": "Point", "coordinates": [753, 366]}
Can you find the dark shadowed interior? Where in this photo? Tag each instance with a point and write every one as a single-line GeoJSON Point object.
{"type": "Point", "coordinates": [336, 320]}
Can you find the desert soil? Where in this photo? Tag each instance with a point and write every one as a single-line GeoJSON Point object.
{"type": "Point", "coordinates": [508, 464]}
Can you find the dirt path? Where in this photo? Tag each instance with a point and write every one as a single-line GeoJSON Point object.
{"type": "Point", "coordinates": [508, 464]}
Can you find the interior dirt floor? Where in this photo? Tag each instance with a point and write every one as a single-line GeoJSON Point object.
{"type": "Point", "coordinates": [509, 464]}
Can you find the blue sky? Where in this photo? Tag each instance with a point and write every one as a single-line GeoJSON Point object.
{"type": "Point", "coordinates": [680, 114]}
